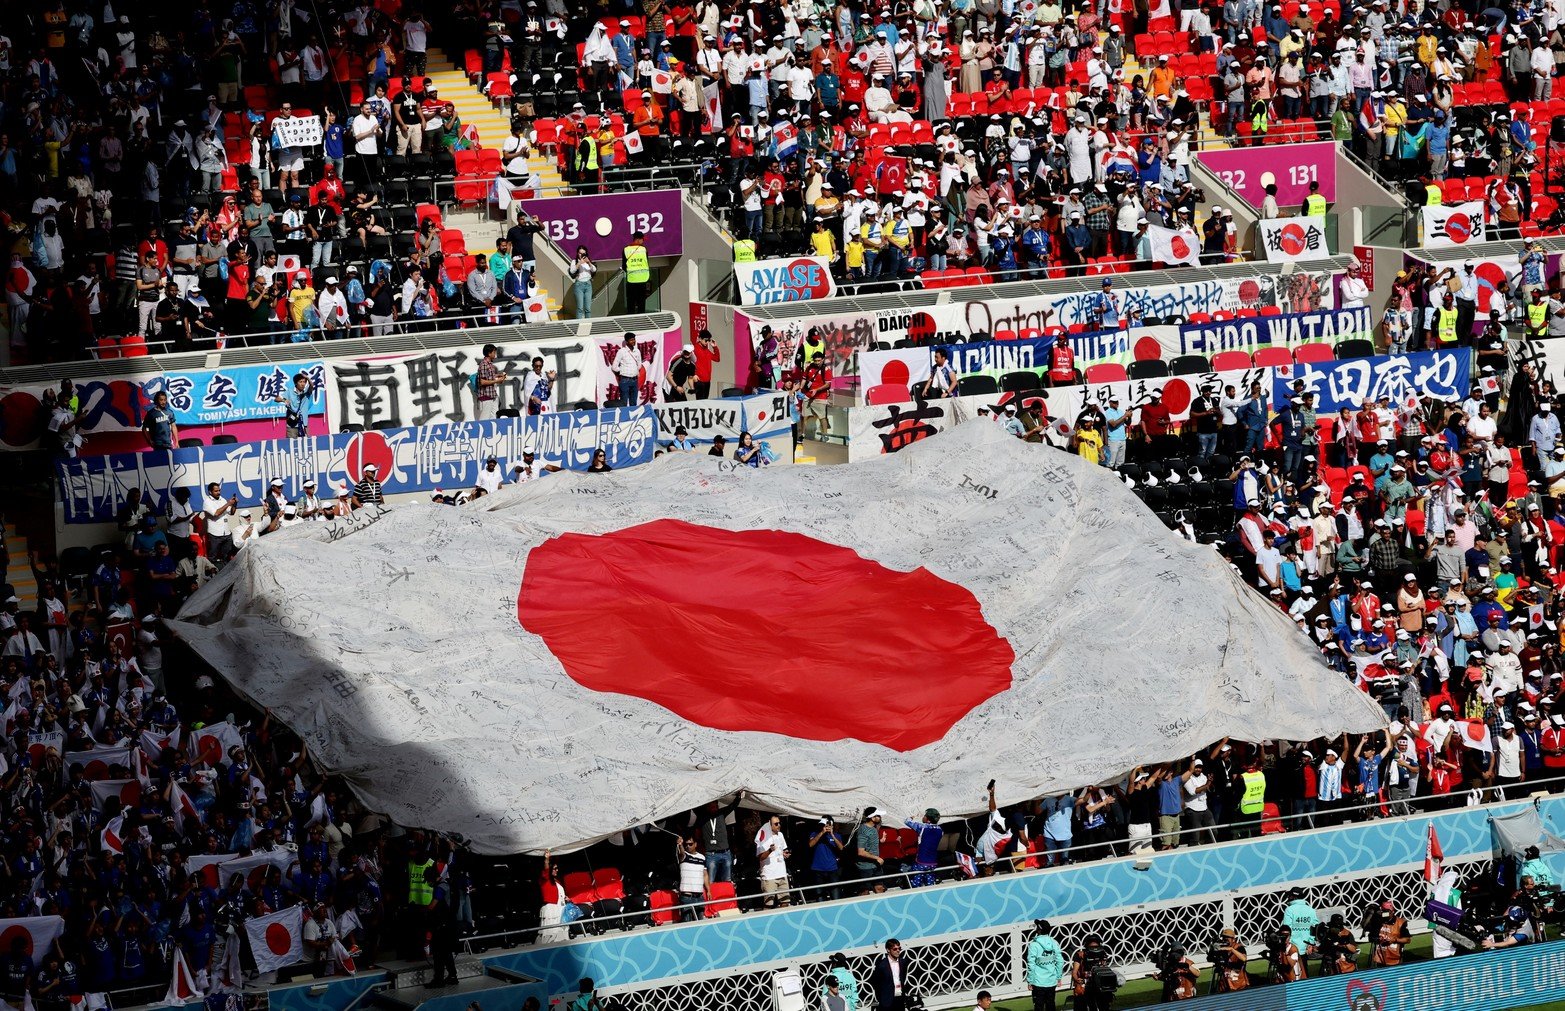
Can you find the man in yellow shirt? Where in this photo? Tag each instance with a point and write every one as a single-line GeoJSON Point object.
{"type": "Point", "coordinates": [300, 299]}
{"type": "Point", "coordinates": [1396, 118]}
{"type": "Point", "coordinates": [854, 258]}
{"type": "Point", "coordinates": [822, 242]}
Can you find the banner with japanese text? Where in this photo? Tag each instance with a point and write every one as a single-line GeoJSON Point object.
{"type": "Point", "coordinates": [1453, 224]}
{"type": "Point", "coordinates": [446, 456]}
{"type": "Point", "coordinates": [1289, 240]}
{"type": "Point", "coordinates": [765, 416]}
{"type": "Point", "coordinates": [243, 393]}
{"type": "Point", "coordinates": [1443, 375]}
{"type": "Point", "coordinates": [1289, 330]}
{"type": "Point", "coordinates": [784, 279]}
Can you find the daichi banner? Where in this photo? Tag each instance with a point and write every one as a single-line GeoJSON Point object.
{"type": "Point", "coordinates": [244, 393]}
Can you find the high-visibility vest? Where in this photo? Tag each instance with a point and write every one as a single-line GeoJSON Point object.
{"type": "Point", "coordinates": [1254, 799]}
{"type": "Point", "coordinates": [1315, 205]}
{"type": "Point", "coordinates": [1433, 197]}
{"type": "Point", "coordinates": [637, 270]}
{"type": "Point", "coordinates": [1445, 325]}
{"type": "Point", "coordinates": [744, 251]}
{"type": "Point", "coordinates": [420, 891]}
{"type": "Point", "coordinates": [1537, 315]}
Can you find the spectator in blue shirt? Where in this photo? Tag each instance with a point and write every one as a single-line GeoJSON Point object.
{"type": "Point", "coordinates": [927, 859]}
{"type": "Point", "coordinates": [1170, 807]}
{"type": "Point", "coordinates": [331, 140]}
{"type": "Point", "coordinates": [1057, 827]}
{"type": "Point", "coordinates": [825, 845]}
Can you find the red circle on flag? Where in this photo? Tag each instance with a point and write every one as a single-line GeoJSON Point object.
{"type": "Point", "coordinates": [365, 449]}
{"type": "Point", "coordinates": [797, 637]}
{"type": "Point", "coordinates": [1147, 349]}
{"type": "Point", "coordinates": [1178, 246]}
{"type": "Point", "coordinates": [1249, 292]}
{"type": "Point", "coordinates": [95, 770]}
{"type": "Point", "coordinates": [1458, 227]}
{"type": "Point", "coordinates": [278, 939]}
{"type": "Point", "coordinates": [1176, 396]}
{"type": "Point", "coordinates": [209, 749]}
{"type": "Point", "coordinates": [130, 793]}
{"type": "Point", "coordinates": [1292, 239]}
{"type": "Point", "coordinates": [894, 373]}
{"type": "Point", "coordinates": [921, 328]}
{"type": "Point", "coordinates": [10, 936]}
{"type": "Point", "coordinates": [19, 420]}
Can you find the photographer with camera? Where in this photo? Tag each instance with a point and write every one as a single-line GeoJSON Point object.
{"type": "Point", "coordinates": [1387, 931]}
{"type": "Point", "coordinates": [1230, 963]}
{"type": "Point", "coordinates": [1045, 965]}
{"type": "Point", "coordinates": [1335, 947]}
{"type": "Point", "coordinates": [1516, 928]}
{"type": "Point", "coordinates": [1177, 972]}
{"type": "Point", "coordinates": [1285, 964]}
{"type": "Point", "coordinates": [1092, 980]}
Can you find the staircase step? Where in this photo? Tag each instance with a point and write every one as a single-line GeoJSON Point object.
{"type": "Point", "coordinates": [475, 109]}
{"type": "Point", "coordinates": [19, 570]}
{"type": "Point", "coordinates": [407, 976]}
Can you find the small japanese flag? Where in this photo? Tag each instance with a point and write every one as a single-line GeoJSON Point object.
{"type": "Point", "coordinates": [662, 82]}
{"type": "Point", "coordinates": [110, 837]}
{"type": "Point", "coordinates": [1489, 384]}
{"type": "Point", "coordinates": [182, 987]}
{"type": "Point", "coordinates": [1535, 616]}
{"type": "Point", "coordinates": [277, 940]}
{"type": "Point", "coordinates": [183, 807]}
{"type": "Point", "coordinates": [633, 143]}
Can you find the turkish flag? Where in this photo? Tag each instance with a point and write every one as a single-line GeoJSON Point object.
{"type": "Point", "coordinates": [37, 934]}
{"type": "Point", "coordinates": [277, 940]}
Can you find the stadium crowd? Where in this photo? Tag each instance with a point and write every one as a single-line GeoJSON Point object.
{"type": "Point", "coordinates": [139, 147]}
{"type": "Point", "coordinates": [1401, 542]}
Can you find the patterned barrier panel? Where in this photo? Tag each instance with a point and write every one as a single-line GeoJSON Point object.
{"type": "Point", "coordinates": [969, 936]}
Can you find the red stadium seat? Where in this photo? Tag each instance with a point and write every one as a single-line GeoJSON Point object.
{"type": "Point", "coordinates": [1315, 351]}
{"type": "Point", "coordinates": [662, 904]}
{"type": "Point", "coordinates": [606, 881]}
{"type": "Point", "coordinates": [1106, 372]}
{"type": "Point", "coordinates": [1269, 357]}
{"type": "Point", "coordinates": [887, 393]}
{"type": "Point", "coordinates": [1231, 361]}
{"type": "Point", "coordinates": [578, 888]}
{"type": "Point", "coordinates": [721, 899]}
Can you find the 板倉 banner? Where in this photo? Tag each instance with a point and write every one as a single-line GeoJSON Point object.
{"type": "Point", "coordinates": [1289, 240]}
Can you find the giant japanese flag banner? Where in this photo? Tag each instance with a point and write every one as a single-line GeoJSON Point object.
{"type": "Point", "coordinates": [571, 659]}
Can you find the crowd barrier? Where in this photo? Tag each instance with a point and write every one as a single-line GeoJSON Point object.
{"type": "Point", "coordinates": [359, 385]}
{"type": "Point", "coordinates": [851, 327]}
{"type": "Point", "coordinates": [887, 428]}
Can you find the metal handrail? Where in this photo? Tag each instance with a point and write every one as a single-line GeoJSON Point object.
{"type": "Point", "coordinates": [953, 874]}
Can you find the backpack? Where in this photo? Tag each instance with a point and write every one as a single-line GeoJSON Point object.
{"type": "Point", "coordinates": [472, 383]}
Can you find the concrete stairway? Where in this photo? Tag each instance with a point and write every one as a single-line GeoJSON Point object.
{"type": "Point", "coordinates": [494, 126]}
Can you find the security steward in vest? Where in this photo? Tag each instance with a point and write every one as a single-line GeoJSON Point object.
{"type": "Point", "coordinates": [638, 274]}
{"type": "Point", "coordinates": [1433, 195]}
{"type": "Point", "coordinates": [1537, 315]}
{"type": "Point", "coordinates": [1252, 799]}
{"type": "Point", "coordinates": [744, 250]}
{"type": "Point", "coordinates": [1315, 204]}
{"type": "Point", "coordinates": [1445, 322]}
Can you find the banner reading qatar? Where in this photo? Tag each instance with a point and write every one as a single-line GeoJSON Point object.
{"type": "Point", "coordinates": [1290, 167]}
{"type": "Point", "coordinates": [848, 335]}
